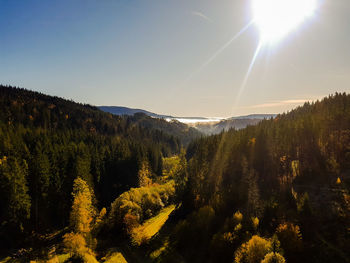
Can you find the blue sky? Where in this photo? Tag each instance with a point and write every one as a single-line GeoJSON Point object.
{"type": "Point", "coordinates": [150, 54]}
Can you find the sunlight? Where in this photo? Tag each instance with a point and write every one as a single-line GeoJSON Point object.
{"type": "Point", "coordinates": [220, 50]}
{"type": "Point", "coordinates": [244, 83]}
{"type": "Point", "coordinates": [276, 18]}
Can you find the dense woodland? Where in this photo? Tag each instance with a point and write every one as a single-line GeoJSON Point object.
{"type": "Point", "coordinates": [288, 176]}
{"type": "Point", "coordinates": [46, 142]}
{"type": "Point", "coordinates": [277, 191]}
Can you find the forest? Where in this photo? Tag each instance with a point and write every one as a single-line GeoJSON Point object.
{"type": "Point", "coordinates": [81, 185]}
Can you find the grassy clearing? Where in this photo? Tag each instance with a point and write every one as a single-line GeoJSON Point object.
{"type": "Point", "coordinates": [114, 255]}
{"type": "Point", "coordinates": [151, 227]}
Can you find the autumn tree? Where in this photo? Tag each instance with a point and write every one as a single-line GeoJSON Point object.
{"type": "Point", "coordinates": [144, 175]}
{"type": "Point", "coordinates": [83, 212]}
{"type": "Point", "coordinates": [80, 241]}
{"type": "Point", "coordinates": [253, 251]}
{"type": "Point", "coordinates": [273, 257]}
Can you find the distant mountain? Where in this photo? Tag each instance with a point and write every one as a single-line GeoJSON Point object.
{"type": "Point", "coordinates": [237, 123]}
{"type": "Point", "coordinates": [118, 110]}
{"type": "Point", "coordinates": [203, 124]}
{"type": "Point", "coordinates": [224, 125]}
{"type": "Point", "coordinates": [173, 127]}
{"type": "Point", "coordinates": [163, 123]}
{"type": "Point", "coordinates": [254, 116]}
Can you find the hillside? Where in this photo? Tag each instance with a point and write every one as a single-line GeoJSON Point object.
{"type": "Point", "coordinates": [47, 142]}
{"type": "Point", "coordinates": [174, 127]}
{"type": "Point", "coordinates": [81, 185]}
{"type": "Point", "coordinates": [274, 180]}
{"type": "Point", "coordinates": [225, 125]}
{"type": "Point", "coordinates": [155, 121]}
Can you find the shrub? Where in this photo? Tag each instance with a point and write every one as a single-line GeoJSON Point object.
{"type": "Point", "coordinates": [133, 207]}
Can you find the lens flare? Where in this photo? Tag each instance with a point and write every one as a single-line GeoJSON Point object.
{"type": "Point", "coordinates": [276, 18]}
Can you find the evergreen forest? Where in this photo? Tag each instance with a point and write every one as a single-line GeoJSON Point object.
{"type": "Point", "coordinates": [81, 185]}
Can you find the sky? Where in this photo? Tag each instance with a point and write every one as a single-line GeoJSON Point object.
{"type": "Point", "coordinates": [173, 57]}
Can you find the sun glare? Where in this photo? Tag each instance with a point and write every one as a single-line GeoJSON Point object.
{"type": "Point", "coordinates": [276, 18]}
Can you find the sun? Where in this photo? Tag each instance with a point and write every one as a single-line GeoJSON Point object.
{"type": "Point", "coordinates": [276, 18]}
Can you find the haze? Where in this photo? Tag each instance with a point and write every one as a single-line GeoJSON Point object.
{"type": "Point", "coordinates": [170, 57]}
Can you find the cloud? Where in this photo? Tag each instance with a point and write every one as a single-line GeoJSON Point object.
{"type": "Point", "coordinates": [201, 15]}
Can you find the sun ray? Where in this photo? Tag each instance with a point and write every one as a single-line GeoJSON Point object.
{"type": "Point", "coordinates": [246, 77]}
{"type": "Point", "coordinates": [219, 51]}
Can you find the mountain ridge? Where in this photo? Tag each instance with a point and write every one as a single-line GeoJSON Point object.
{"type": "Point", "coordinates": [205, 125]}
{"type": "Point", "coordinates": [122, 110]}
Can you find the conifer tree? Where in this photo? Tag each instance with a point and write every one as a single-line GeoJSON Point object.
{"type": "Point", "coordinates": [16, 202]}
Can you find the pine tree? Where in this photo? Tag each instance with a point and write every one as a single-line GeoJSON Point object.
{"type": "Point", "coordinates": [15, 208]}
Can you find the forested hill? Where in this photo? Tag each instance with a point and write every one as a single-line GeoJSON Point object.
{"type": "Point", "coordinates": [47, 142]}
{"type": "Point", "coordinates": [105, 185]}
{"type": "Point", "coordinates": [34, 109]}
{"type": "Point", "coordinates": [285, 178]}
{"type": "Point", "coordinates": [174, 127]}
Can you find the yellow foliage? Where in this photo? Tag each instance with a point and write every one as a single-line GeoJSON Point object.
{"type": "Point", "coordinates": [103, 212]}
{"type": "Point", "coordinates": [156, 253]}
{"type": "Point", "coordinates": [4, 159]}
{"type": "Point", "coordinates": [273, 258]}
{"type": "Point", "coordinates": [253, 251]}
{"type": "Point", "coordinates": [116, 257]}
{"type": "Point", "coordinates": [75, 243]}
{"type": "Point", "coordinates": [255, 222]}
{"type": "Point", "coordinates": [53, 260]}
{"type": "Point", "coordinates": [289, 231]}
{"type": "Point", "coordinates": [141, 203]}
{"type": "Point", "coordinates": [252, 141]}
{"type": "Point", "coordinates": [228, 236]}
{"type": "Point", "coordinates": [62, 258]}
{"type": "Point", "coordinates": [144, 175]}
{"type": "Point", "coordinates": [79, 241]}
{"type": "Point", "coordinates": [89, 258]}
{"type": "Point", "coordinates": [238, 227]}
{"type": "Point", "coordinates": [101, 215]}
{"type": "Point", "coordinates": [171, 165]}
{"type": "Point", "coordinates": [81, 215]}
{"type": "Point", "coordinates": [295, 167]}
{"type": "Point", "coordinates": [238, 217]}
{"type": "Point", "coordinates": [82, 209]}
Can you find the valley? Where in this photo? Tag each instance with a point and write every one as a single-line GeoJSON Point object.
{"type": "Point", "coordinates": [82, 185]}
